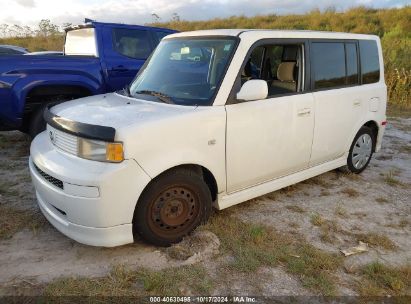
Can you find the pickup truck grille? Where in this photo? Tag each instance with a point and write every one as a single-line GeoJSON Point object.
{"type": "Point", "coordinates": [52, 180]}
{"type": "Point", "coordinates": [64, 141]}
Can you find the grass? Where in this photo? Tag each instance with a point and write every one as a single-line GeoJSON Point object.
{"type": "Point", "coordinates": [328, 228]}
{"type": "Point", "coordinates": [295, 208]}
{"type": "Point", "coordinates": [351, 192]}
{"type": "Point", "coordinates": [255, 246]}
{"type": "Point", "coordinates": [381, 200]}
{"type": "Point", "coordinates": [391, 179]}
{"type": "Point", "coordinates": [325, 192]}
{"type": "Point", "coordinates": [377, 240]}
{"type": "Point", "coordinates": [341, 211]}
{"type": "Point", "coordinates": [13, 221]}
{"type": "Point", "coordinates": [121, 281]}
{"type": "Point", "coordinates": [394, 110]}
{"type": "Point", "coordinates": [381, 280]}
{"type": "Point", "coordinates": [317, 219]}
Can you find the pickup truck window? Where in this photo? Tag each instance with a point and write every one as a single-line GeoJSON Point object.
{"type": "Point", "coordinates": [160, 35]}
{"type": "Point", "coordinates": [81, 42]}
{"type": "Point", "coordinates": [188, 72]}
{"type": "Point", "coordinates": [132, 43]}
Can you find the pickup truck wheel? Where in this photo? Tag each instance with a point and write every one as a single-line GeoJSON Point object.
{"type": "Point", "coordinates": [37, 123]}
{"type": "Point", "coordinates": [361, 151]}
{"type": "Point", "coordinates": [172, 206]}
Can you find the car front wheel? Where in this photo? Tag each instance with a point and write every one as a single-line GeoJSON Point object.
{"type": "Point", "coordinates": [172, 206]}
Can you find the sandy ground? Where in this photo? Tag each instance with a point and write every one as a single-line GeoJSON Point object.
{"type": "Point", "coordinates": [355, 205]}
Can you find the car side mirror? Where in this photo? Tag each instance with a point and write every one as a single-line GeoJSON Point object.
{"type": "Point", "coordinates": [254, 89]}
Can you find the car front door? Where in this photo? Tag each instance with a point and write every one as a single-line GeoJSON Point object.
{"type": "Point", "coordinates": [270, 138]}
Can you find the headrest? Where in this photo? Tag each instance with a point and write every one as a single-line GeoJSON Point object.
{"type": "Point", "coordinates": [285, 71]}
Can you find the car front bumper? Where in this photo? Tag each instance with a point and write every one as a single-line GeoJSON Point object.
{"type": "Point", "coordinates": [88, 201]}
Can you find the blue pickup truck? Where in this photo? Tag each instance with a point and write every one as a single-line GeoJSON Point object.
{"type": "Point", "coordinates": [98, 58]}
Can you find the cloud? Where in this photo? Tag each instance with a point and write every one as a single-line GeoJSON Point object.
{"type": "Point", "coordinates": [30, 12]}
{"type": "Point", "coordinates": [26, 3]}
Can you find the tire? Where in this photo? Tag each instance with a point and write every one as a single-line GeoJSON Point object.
{"type": "Point", "coordinates": [361, 151]}
{"type": "Point", "coordinates": [37, 123]}
{"type": "Point", "coordinates": [171, 207]}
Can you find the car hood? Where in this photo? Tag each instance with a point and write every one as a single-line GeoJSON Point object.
{"type": "Point", "coordinates": [117, 111]}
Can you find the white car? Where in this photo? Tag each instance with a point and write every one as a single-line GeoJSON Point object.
{"type": "Point", "coordinates": [214, 118]}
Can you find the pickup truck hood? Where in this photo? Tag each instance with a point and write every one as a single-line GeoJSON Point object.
{"type": "Point", "coordinates": [117, 111]}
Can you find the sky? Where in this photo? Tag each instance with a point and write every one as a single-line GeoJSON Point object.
{"type": "Point", "coordinates": [30, 12]}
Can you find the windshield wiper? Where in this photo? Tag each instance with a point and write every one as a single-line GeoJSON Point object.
{"type": "Point", "coordinates": [161, 96]}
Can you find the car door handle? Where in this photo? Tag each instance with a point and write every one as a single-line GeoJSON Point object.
{"type": "Point", "coordinates": [357, 103]}
{"type": "Point", "coordinates": [304, 112]}
{"type": "Point", "coordinates": [119, 68]}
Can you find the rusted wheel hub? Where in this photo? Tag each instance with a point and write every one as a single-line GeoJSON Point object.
{"type": "Point", "coordinates": [174, 211]}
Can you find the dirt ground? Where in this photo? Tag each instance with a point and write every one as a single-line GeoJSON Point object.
{"type": "Point", "coordinates": [332, 212]}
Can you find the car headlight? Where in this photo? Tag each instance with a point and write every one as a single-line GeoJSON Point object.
{"type": "Point", "coordinates": [100, 150]}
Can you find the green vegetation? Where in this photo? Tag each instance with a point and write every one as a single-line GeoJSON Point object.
{"type": "Point", "coordinates": [351, 192]}
{"type": "Point", "coordinates": [257, 246]}
{"type": "Point", "coordinates": [392, 25]}
{"type": "Point", "coordinates": [381, 280]}
{"type": "Point", "coordinates": [377, 240]}
{"type": "Point", "coordinates": [124, 282]}
{"type": "Point", "coordinates": [13, 220]}
{"type": "Point", "coordinates": [391, 179]}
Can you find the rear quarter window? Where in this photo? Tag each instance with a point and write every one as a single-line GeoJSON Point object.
{"type": "Point", "coordinates": [370, 65]}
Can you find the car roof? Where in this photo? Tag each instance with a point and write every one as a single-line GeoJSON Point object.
{"type": "Point", "coordinates": [269, 33]}
{"type": "Point", "coordinates": [89, 24]}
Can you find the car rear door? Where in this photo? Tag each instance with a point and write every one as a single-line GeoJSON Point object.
{"type": "Point", "coordinates": [339, 100]}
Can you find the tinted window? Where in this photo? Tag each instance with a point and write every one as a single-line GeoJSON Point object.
{"type": "Point", "coordinates": [328, 61]}
{"type": "Point", "coordinates": [352, 63]}
{"type": "Point", "coordinates": [7, 51]}
{"type": "Point", "coordinates": [370, 66]}
{"type": "Point", "coordinates": [132, 43]}
{"type": "Point", "coordinates": [160, 35]}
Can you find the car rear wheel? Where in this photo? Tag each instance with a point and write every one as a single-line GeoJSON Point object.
{"type": "Point", "coordinates": [361, 150]}
{"type": "Point", "coordinates": [172, 206]}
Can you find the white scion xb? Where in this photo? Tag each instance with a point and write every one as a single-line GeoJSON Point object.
{"type": "Point", "coordinates": [214, 118]}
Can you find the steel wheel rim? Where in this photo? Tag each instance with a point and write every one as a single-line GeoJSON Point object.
{"type": "Point", "coordinates": [174, 211]}
{"type": "Point", "coordinates": [361, 152]}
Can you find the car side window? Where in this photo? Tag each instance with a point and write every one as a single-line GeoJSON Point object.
{"type": "Point", "coordinates": [7, 51]}
{"type": "Point", "coordinates": [132, 43]}
{"type": "Point", "coordinates": [352, 63]}
{"type": "Point", "coordinates": [279, 65]}
{"type": "Point", "coordinates": [370, 65]}
{"type": "Point", "coordinates": [328, 64]}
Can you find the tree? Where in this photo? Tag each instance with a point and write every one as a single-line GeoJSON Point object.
{"type": "Point", "coordinates": [156, 18]}
{"type": "Point", "coordinates": [175, 17]}
{"type": "Point", "coordinates": [46, 28]}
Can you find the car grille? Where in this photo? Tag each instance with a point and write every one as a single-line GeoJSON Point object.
{"type": "Point", "coordinates": [62, 140]}
{"type": "Point", "coordinates": [52, 180]}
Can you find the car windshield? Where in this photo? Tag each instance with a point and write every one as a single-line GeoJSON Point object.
{"type": "Point", "coordinates": [185, 71]}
